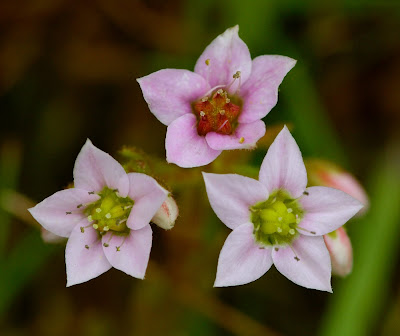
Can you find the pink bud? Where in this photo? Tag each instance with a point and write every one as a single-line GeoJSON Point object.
{"type": "Point", "coordinates": [341, 252]}
{"type": "Point", "coordinates": [325, 173]}
{"type": "Point", "coordinates": [50, 238]}
{"type": "Point", "coordinates": [165, 216]}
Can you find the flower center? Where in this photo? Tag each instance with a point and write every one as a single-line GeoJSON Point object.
{"type": "Point", "coordinates": [110, 212]}
{"type": "Point", "coordinates": [219, 111]}
{"type": "Point", "coordinates": [276, 219]}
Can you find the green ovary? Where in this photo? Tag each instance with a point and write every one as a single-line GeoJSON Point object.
{"type": "Point", "coordinates": [276, 219]}
{"type": "Point", "coordinates": [110, 212]}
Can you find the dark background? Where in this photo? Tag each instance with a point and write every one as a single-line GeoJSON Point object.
{"type": "Point", "coordinates": [67, 73]}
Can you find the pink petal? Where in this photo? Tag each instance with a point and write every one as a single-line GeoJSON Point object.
{"type": "Point", "coordinates": [227, 54]}
{"type": "Point", "coordinates": [231, 195]}
{"type": "Point", "coordinates": [313, 270]}
{"type": "Point", "coordinates": [241, 260]}
{"type": "Point", "coordinates": [148, 196]}
{"type": "Point", "coordinates": [326, 209]}
{"type": "Point", "coordinates": [171, 92]}
{"type": "Point", "coordinates": [283, 166]}
{"type": "Point", "coordinates": [260, 91]}
{"type": "Point", "coordinates": [95, 169]}
{"type": "Point", "coordinates": [134, 251]}
{"type": "Point", "coordinates": [250, 133]}
{"type": "Point", "coordinates": [84, 263]}
{"type": "Point", "coordinates": [53, 212]}
{"type": "Point", "coordinates": [185, 147]}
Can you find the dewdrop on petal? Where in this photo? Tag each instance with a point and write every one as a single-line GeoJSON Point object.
{"type": "Point", "coordinates": [166, 216]}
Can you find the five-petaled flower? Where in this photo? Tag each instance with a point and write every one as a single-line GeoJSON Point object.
{"type": "Point", "coordinates": [277, 220]}
{"type": "Point", "coordinates": [105, 216]}
{"type": "Point", "coordinates": [220, 105]}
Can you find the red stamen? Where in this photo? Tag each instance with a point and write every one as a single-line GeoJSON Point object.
{"type": "Point", "coordinates": [217, 114]}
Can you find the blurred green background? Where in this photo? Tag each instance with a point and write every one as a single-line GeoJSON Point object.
{"type": "Point", "coordinates": [67, 73]}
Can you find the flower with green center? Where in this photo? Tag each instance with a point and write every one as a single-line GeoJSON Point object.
{"type": "Point", "coordinates": [110, 212]}
{"type": "Point", "coordinates": [277, 220]}
{"type": "Point", "coordinates": [105, 217]}
{"type": "Point", "coordinates": [220, 105]}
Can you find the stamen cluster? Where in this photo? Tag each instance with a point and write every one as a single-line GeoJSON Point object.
{"type": "Point", "coordinates": [110, 212]}
{"type": "Point", "coordinates": [276, 219]}
{"type": "Point", "coordinates": [217, 114]}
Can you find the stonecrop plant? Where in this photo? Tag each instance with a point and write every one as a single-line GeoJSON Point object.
{"type": "Point", "coordinates": [277, 220]}
{"type": "Point", "coordinates": [220, 105]}
{"type": "Point", "coordinates": [105, 217]}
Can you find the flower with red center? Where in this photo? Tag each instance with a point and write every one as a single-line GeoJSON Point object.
{"type": "Point", "coordinates": [105, 217]}
{"type": "Point", "coordinates": [220, 105]}
{"type": "Point", "coordinates": [277, 220]}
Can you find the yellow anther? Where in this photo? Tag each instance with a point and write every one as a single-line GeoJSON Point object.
{"type": "Point", "coordinates": [208, 61]}
{"type": "Point", "coordinates": [241, 140]}
{"type": "Point", "coordinates": [236, 75]}
{"type": "Point", "coordinates": [95, 226]}
{"type": "Point", "coordinates": [106, 228]}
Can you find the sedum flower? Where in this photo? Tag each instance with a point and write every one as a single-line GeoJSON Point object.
{"type": "Point", "coordinates": [105, 217]}
{"type": "Point", "coordinates": [277, 220]}
{"type": "Point", "coordinates": [341, 252]}
{"type": "Point", "coordinates": [220, 105]}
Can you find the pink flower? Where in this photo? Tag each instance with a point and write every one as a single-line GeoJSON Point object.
{"type": "Point", "coordinates": [341, 252]}
{"type": "Point", "coordinates": [220, 105]}
{"type": "Point", "coordinates": [277, 220]}
{"type": "Point", "coordinates": [105, 216]}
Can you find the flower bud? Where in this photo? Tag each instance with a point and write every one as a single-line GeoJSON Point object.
{"type": "Point", "coordinates": [165, 216]}
{"type": "Point", "coordinates": [50, 238]}
{"type": "Point", "coordinates": [325, 173]}
{"type": "Point", "coordinates": [341, 252]}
